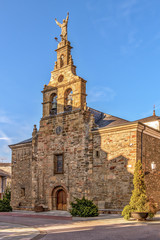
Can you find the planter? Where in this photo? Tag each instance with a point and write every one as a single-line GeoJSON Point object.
{"type": "Point", "coordinates": [141, 216]}
{"type": "Point", "coordinates": [38, 209]}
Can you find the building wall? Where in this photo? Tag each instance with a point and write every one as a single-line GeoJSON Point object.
{"type": "Point", "coordinates": [6, 167]}
{"type": "Point", "coordinates": [21, 197]}
{"type": "Point", "coordinates": [150, 152]}
{"type": "Point", "coordinates": [113, 168]}
{"type": "Point", "coordinates": [154, 124]}
{"type": "Point", "coordinates": [5, 180]}
{"type": "Point", "coordinates": [74, 142]}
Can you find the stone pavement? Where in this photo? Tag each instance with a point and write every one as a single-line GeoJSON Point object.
{"type": "Point", "coordinates": [111, 226]}
{"type": "Point", "coordinates": [9, 231]}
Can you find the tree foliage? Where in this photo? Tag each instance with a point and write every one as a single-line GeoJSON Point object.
{"type": "Point", "coordinates": [5, 202]}
{"type": "Point", "coordinates": [139, 201]}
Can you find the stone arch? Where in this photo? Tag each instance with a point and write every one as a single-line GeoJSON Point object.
{"type": "Point", "coordinates": [61, 60]}
{"type": "Point", "coordinates": [68, 99]}
{"type": "Point", "coordinates": [54, 196]}
{"type": "Point", "coordinates": [53, 103]}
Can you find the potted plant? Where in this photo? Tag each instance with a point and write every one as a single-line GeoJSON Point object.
{"type": "Point", "coordinates": [140, 206]}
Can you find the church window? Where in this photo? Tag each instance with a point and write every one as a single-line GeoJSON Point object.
{"type": "Point", "coordinates": [22, 192]}
{"type": "Point", "coordinates": [58, 163]}
{"type": "Point", "coordinates": [97, 154]}
{"type": "Point", "coordinates": [68, 100]}
{"type": "Point", "coordinates": [60, 78]}
{"type": "Point", "coordinates": [62, 60]}
{"type": "Point", "coordinates": [53, 110]}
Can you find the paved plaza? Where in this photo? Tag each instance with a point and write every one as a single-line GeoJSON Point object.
{"type": "Point", "coordinates": [48, 226]}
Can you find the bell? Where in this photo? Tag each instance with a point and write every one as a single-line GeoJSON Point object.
{"type": "Point", "coordinates": [54, 105]}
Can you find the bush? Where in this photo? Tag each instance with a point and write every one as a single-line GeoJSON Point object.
{"type": "Point", "coordinates": [139, 201]}
{"type": "Point", "coordinates": [84, 208]}
{"type": "Point", "coordinates": [127, 212]}
{"type": "Point", "coordinates": [5, 203]}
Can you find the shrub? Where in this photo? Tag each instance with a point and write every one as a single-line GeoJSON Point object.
{"type": "Point", "coordinates": [139, 201]}
{"type": "Point", "coordinates": [83, 208]}
{"type": "Point", "coordinates": [127, 212]}
{"type": "Point", "coordinates": [5, 203]}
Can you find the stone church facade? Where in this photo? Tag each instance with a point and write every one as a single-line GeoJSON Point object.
{"type": "Point", "coordinates": [79, 151]}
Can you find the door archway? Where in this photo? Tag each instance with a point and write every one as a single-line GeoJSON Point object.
{"type": "Point", "coordinates": [61, 200]}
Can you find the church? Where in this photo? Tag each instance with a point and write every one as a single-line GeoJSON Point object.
{"type": "Point", "coordinates": [79, 151]}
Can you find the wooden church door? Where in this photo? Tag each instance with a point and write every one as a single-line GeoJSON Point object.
{"type": "Point", "coordinates": [61, 200]}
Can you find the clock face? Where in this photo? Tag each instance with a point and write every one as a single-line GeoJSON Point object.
{"type": "Point", "coordinates": [58, 130]}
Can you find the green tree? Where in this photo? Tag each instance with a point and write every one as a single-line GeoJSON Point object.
{"type": "Point", "coordinates": [5, 202]}
{"type": "Point", "coordinates": [139, 201]}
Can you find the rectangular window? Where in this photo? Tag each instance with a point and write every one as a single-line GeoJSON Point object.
{"type": "Point", "coordinates": [58, 163]}
{"type": "Point", "coordinates": [23, 192]}
{"type": "Point", "coordinates": [97, 154]}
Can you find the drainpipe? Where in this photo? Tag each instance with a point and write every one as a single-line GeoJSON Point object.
{"type": "Point", "coordinates": [142, 145]}
{"type": "Point", "coordinates": [2, 185]}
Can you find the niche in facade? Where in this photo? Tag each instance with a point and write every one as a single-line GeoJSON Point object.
{"type": "Point", "coordinates": [61, 60]}
{"type": "Point", "coordinates": [53, 109]}
{"type": "Point", "coordinates": [68, 100]}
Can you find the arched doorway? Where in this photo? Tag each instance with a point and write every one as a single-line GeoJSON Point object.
{"type": "Point", "coordinates": [61, 200]}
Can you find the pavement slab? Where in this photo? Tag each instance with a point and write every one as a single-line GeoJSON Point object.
{"type": "Point", "coordinates": [9, 231]}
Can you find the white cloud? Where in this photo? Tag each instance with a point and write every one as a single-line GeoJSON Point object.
{"type": "Point", "coordinates": [4, 118]}
{"type": "Point", "coordinates": [127, 7]}
{"type": "Point", "coordinates": [3, 136]}
{"type": "Point", "coordinates": [99, 94]}
{"type": "Point", "coordinates": [133, 42]}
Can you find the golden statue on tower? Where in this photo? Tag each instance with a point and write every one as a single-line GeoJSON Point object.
{"type": "Point", "coordinates": [63, 27]}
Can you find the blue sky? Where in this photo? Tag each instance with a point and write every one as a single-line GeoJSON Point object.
{"type": "Point", "coordinates": [116, 48]}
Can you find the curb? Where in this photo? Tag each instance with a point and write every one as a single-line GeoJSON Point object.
{"type": "Point", "coordinates": [34, 216]}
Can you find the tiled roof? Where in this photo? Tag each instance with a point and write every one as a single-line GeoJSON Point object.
{"type": "Point", "coordinates": [101, 120]}
{"type": "Point", "coordinates": [23, 142]}
{"type": "Point", "coordinates": [148, 119]}
{"type": "Point", "coordinates": [4, 174]}
{"type": "Point", "coordinates": [106, 120]}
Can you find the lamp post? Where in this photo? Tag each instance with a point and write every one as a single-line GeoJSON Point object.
{"type": "Point", "coordinates": [153, 166]}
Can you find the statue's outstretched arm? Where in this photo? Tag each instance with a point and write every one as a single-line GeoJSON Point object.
{"type": "Point", "coordinates": [59, 24]}
{"type": "Point", "coordinates": [67, 17]}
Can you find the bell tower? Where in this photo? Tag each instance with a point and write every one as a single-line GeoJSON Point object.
{"type": "Point", "coordinates": [68, 88]}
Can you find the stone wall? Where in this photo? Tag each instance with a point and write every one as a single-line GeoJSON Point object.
{"type": "Point", "coordinates": [21, 197]}
{"type": "Point", "coordinates": [114, 157]}
{"type": "Point", "coordinates": [73, 141]}
{"type": "Point", "coordinates": [150, 152]}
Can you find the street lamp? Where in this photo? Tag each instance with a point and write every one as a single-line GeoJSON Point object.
{"type": "Point", "coordinates": [153, 166]}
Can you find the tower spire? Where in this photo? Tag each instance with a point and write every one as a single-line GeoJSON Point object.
{"type": "Point", "coordinates": [154, 112]}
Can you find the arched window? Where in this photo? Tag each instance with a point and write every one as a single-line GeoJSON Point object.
{"type": "Point", "coordinates": [62, 60]}
{"type": "Point", "coordinates": [53, 110]}
{"type": "Point", "coordinates": [68, 100]}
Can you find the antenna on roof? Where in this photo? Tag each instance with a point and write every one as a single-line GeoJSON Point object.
{"type": "Point", "coordinates": [154, 112]}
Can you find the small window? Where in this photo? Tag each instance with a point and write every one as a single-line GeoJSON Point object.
{"type": "Point", "coordinates": [97, 154]}
{"type": "Point", "coordinates": [58, 163]}
{"type": "Point", "coordinates": [22, 192]}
